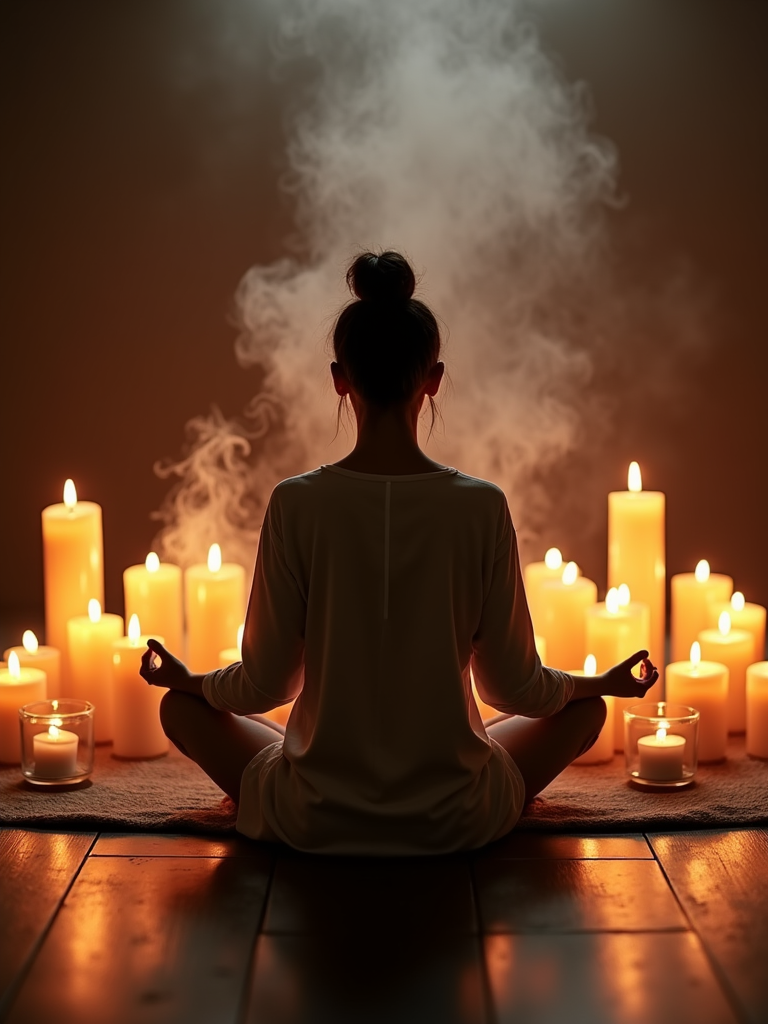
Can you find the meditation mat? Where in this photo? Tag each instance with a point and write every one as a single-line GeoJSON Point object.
{"type": "Point", "coordinates": [171, 794]}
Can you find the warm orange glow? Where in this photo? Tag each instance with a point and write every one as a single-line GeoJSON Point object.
{"type": "Point", "coordinates": [634, 479]}
{"type": "Point", "coordinates": [29, 641]}
{"type": "Point", "coordinates": [152, 562]}
{"type": "Point", "coordinates": [13, 665]}
{"type": "Point", "coordinates": [612, 602]}
{"type": "Point", "coordinates": [702, 571]}
{"type": "Point", "coordinates": [94, 610]}
{"type": "Point", "coordinates": [553, 559]}
{"type": "Point", "coordinates": [70, 494]}
{"type": "Point", "coordinates": [590, 665]}
{"type": "Point", "coordinates": [214, 558]}
{"type": "Point", "coordinates": [570, 574]}
{"type": "Point", "coordinates": [134, 629]}
{"type": "Point", "coordinates": [724, 623]}
{"type": "Point", "coordinates": [240, 631]}
{"type": "Point", "coordinates": [695, 654]}
{"type": "Point", "coordinates": [625, 598]}
{"type": "Point", "coordinates": [737, 601]}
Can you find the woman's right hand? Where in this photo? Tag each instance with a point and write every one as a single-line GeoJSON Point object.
{"type": "Point", "coordinates": [620, 681]}
{"type": "Point", "coordinates": [160, 668]}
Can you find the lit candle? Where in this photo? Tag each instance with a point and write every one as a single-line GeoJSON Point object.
{"type": "Point", "coordinates": [564, 603]}
{"type": "Point", "coordinates": [536, 573]}
{"type": "Point", "coordinates": [636, 555]}
{"type": "Point", "coordinates": [73, 558]}
{"type": "Point", "coordinates": [138, 732]}
{"type": "Point", "coordinates": [215, 603]}
{"type": "Point", "coordinates": [48, 659]}
{"type": "Point", "coordinates": [601, 750]}
{"type": "Point", "coordinates": [153, 592]}
{"type": "Point", "coordinates": [733, 648]}
{"type": "Point", "coordinates": [90, 656]}
{"type": "Point", "coordinates": [702, 685]}
{"type": "Point", "coordinates": [18, 686]}
{"type": "Point", "coordinates": [744, 615]}
{"type": "Point", "coordinates": [55, 753]}
{"type": "Point", "coordinates": [661, 756]}
{"type": "Point", "coordinates": [692, 594]}
{"type": "Point", "coordinates": [757, 710]}
{"type": "Point", "coordinates": [615, 630]}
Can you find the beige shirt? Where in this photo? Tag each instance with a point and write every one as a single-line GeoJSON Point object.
{"type": "Point", "coordinates": [372, 596]}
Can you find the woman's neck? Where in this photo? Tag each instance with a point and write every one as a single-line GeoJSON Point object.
{"type": "Point", "coordinates": [387, 443]}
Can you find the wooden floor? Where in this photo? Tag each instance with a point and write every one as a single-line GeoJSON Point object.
{"type": "Point", "coordinates": [138, 928]}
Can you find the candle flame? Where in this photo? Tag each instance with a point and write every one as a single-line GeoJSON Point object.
{"type": "Point", "coordinates": [612, 602]}
{"type": "Point", "coordinates": [738, 602]}
{"type": "Point", "coordinates": [553, 558]}
{"type": "Point", "coordinates": [29, 641]}
{"type": "Point", "coordinates": [240, 631]}
{"type": "Point", "coordinates": [702, 571]}
{"type": "Point", "coordinates": [625, 597]}
{"type": "Point", "coordinates": [53, 731]}
{"type": "Point", "coordinates": [70, 494]}
{"type": "Point", "coordinates": [214, 558]}
{"type": "Point", "coordinates": [570, 574]}
{"type": "Point", "coordinates": [13, 665]}
{"type": "Point", "coordinates": [134, 629]}
{"type": "Point", "coordinates": [152, 562]}
{"type": "Point", "coordinates": [724, 623]}
{"type": "Point", "coordinates": [590, 665]}
{"type": "Point", "coordinates": [695, 653]}
{"type": "Point", "coordinates": [634, 479]}
{"type": "Point", "coordinates": [94, 610]}
{"type": "Point", "coordinates": [661, 734]}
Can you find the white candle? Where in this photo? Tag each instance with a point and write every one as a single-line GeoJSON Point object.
{"type": "Point", "coordinates": [564, 602]}
{"type": "Point", "coordinates": [733, 648]}
{"type": "Point", "coordinates": [757, 710]}
{"type": "Point", "coordinates": [31, 654]}
{"type": "Point", "coordinates": [702, 685]}
{"type": "Point", "coordinates": [55, 753]}
{"type": "Point", "coordinates": [153, 592]}
{"type": "Point", "coordinates": [90, 658]}
{"type": "Point", "coordinates": [692, 594]}
{"type": "Point", "coordinates": [138, 731]}
{"type": "Point", "coordinates": [215, 603]}
{"type": "Point", "coordinates": [18, 686]}
{"type": "Point", "coordinates": [661, 756]}
{"type": "Point", "coordinates": [534, 575]}
{"type": "Point", "coordinates": [601, 751]}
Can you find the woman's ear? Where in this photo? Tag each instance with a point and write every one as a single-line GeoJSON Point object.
{"type": "Point", "coordinates": [340, 382]}
{"type": "Point", "coordinates": [434, 377]}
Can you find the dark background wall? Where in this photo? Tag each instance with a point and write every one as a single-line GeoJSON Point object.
{"type": "Point", "coordinates": [141, 179]}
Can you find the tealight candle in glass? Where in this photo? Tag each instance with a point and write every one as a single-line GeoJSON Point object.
{"type": "Point", "coordinates": [56, 741]}
{"type": "Point", "coordinates": [661, 744]}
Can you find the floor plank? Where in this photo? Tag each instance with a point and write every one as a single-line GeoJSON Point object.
{"type": "Point", "coordinates": [311, 895]}
{"type": "Point", "coordinates": [538, 845]}
{"type": "Point", "coordinates": [36, 871]}
{"type": "Point", "coordinates": [117, 844]}
{"type": "Point", "coordinates": [656, 978]}
{"type": "Point", "coordinates": [366, 978]}
{"type": "Point", "coordinates": [144, 940]}
{"type": "Point", "coordinates": [721, 879]}
{"type": "Point", "coordinates": [575, 895]}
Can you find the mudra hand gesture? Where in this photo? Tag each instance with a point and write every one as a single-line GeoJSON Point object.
{"type": "Point", "coordinates": [620, 681]}
{"type": "Point", "coordinates": [160, 668]}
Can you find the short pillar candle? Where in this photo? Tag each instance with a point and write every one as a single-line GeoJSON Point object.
{"type": "Point", "coordinates": [534, 575]}
{"type": "Point", "coordinates": [757, 710]}
{"type": "Point", "coordinates": [661, 756]}
{"type": "Point", "coordinates": [744, 615]}
{"type": "Point", "coordinates": [31, 654]}
{"type": "Point", "coordinates": [692, 594]}
{"type": "Point", "coordinates": [704, 686]}
{"type": "Point", "coordinates": [90, 657]}
{"type": "Point", "coordinates": [733, 648]}
{"type": "Point", "coordinates": [138, 731]}
{"type": "Point", "coordinates": [215, 604]}
{"type": "Point", "coordinates": [564, 602]}
{"type": "Point", "coordinates": [18, 686]}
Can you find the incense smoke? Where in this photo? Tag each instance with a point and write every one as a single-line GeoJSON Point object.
{"type": "Point", "coordinates": [440, 128]}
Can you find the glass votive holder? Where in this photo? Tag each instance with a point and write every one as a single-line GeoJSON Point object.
{"type": "Point", "coordinates": [660, 744]}
{"type": "Point", "coordinates": [56, 741]}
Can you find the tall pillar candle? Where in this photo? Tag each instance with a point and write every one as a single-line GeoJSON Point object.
{"type": "Point", "coordinates": [564, 603]}
{"type": "Point", "coordinates": [702, 685]}
{"type": "Point", "coordinates": [18, 686]}
{"type": "Point", "coordinates": [692, 595]}
{"type": "Point", "coordinates": [138, 732]}
{"type": "Point", "coordinates": [31, 654]}
{"type": "Point", "coordinates": [744, 615]}
{"type": "Point", "coordinates": [534, 575]}
{"type": "Point", "coordinates": [733, 648]}
{"type": "Point", "coordinates": [637, 554]}
{"type": "Point", "coordinates": [73, 560]}
{"type": "Point", "coordinates": [153, 593]}
{"type": "Point", "coordinates": [616, 629]}
{"type": "Point", "coordinates": [757, 710]}
{"type": "Point", "coordinates": [215, 604]}
{"type": "Point", "coordinates": [601, 751]}
{"type": "Point", "coordinates": [90, 657]}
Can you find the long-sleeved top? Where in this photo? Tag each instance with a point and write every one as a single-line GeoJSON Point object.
{"type": "Point", "coordinates": [372, 597]}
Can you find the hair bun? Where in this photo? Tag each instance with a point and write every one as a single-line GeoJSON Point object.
{"type": "Point", "coordinates": [385, 277]}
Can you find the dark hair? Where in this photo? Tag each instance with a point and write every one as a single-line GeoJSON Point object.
{"type": "Point", "coordinates": [385, 341]}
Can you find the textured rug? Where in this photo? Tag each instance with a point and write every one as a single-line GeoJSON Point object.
{"type": "Point", "coordinates": [171, 794]}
